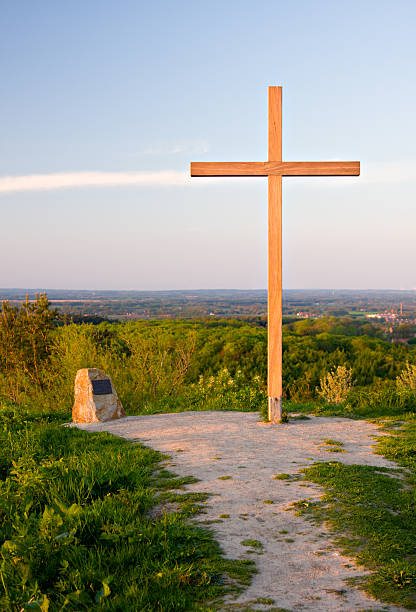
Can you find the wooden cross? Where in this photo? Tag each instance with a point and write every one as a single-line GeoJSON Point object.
{"type": "Point", "coordinates": [274, 169]}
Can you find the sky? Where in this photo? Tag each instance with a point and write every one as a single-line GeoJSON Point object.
{"type": "Point", "coordinates": [104, 104]}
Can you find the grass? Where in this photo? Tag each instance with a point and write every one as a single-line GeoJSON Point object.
{"type": "Point", "coordinates": [83, 527]}
{"type": "Point", "coordinates": [282, 476]}
{"type": "Point", "coordinates": [90, 526]}
{"type": "Point", "coordinates": [252, 543]}
{"type": "Point", "coordinates": [371, 511]}
{"type": "Point", "coordinates": [331, 442]}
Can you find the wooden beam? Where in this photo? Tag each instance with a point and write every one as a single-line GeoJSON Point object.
{"type": "Point", "coordinates": [321, 168]}
{"type": "Point", "coordinates": [275, 124]}
{"type": "Point", "coordinates": [229, 168]}
{"type": "Point", "coordinates": [275, 168]}
{"type": "Point", "coordinates": [274, 301]}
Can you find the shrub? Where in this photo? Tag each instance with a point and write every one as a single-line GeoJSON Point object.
{"type": "Point", "coordinates": [226, 392]}
{"type": "Point", "coordinates": [407, 378]}
{"type": "Point", "coordinates": [25, 334]}
{"type": "Point", "coordinates": [336, 385]}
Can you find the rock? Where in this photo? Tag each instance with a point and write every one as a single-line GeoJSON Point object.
{"type": "Point", "coordinates": [95, 398]}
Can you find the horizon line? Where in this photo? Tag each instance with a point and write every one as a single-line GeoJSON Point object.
{"type": "Point", "coordinates": [183, 290]}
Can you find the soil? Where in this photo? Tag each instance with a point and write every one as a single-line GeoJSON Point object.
{"type": "Point", "coordinates": [235, 456]}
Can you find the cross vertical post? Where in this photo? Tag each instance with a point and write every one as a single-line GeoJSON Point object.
{"type": "Point", "coordinates": [274, 302]}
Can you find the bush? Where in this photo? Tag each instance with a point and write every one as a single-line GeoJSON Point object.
{"type": "Point", "coordinates": [336, 385]}
{"type": "Point", "coordinates": [226, 392]}
{"type": "Point", "coordinates": [25, 338]}
{"type": "Point", "coordinates": [407, 378]}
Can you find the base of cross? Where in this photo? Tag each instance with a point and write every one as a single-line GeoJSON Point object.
{"type": "Point", "coordinates": [275, 409]}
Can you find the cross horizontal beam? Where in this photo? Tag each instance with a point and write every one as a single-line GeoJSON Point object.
{"type": "Point", "coordinates": [271, 168]}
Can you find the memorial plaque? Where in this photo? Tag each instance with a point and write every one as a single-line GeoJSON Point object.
{"type": "Point", "coordinates": [96, 399]}
{"type": "Point", "coordinates": [101, 387]}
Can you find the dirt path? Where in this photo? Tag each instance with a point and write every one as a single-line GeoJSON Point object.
{"type": "Point", "coordinates": [298, 569]}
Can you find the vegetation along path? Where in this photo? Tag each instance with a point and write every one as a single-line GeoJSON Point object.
{"type": "Point", "coordinates": [253, 473]}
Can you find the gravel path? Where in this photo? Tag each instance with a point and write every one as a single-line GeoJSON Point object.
{"type": "Point", "coordinates": [298, 569]}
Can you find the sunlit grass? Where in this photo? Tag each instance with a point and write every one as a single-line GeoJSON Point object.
{"type": "Point", "coordinates": [85, 525]}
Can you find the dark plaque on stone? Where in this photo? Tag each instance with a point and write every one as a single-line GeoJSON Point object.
{"type": "Point", "coordinates": [101, 387]}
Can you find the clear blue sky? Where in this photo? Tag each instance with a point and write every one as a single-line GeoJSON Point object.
{"type": "Point", "coordinates": [105, 103]}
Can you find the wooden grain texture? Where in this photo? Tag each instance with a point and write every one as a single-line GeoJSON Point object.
{"type": "Point", "coordinates": [275, 124]}
{"type": "Point", "coordinates": [274, 308]}
{"type": "Point", "coordinates": [275, 168]}
{"type": "Point", "coordinates": [275, 409]}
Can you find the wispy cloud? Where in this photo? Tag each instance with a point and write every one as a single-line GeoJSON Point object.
{"type": "Point", "coordinates": [382, 172]}
{"type": "Point", "coordinates": [66, 180]}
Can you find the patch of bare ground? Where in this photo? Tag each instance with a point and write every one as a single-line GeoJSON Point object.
{"type": "Point", "coordinates": [236, 458]}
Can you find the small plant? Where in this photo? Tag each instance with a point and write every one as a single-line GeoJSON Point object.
{"type": "Point", "coordinates": [224, 477]}
{"type": "Point", "coordinates": [267, 601]}
{"type": "Point", "coordinates": [285, 418]}
{"type": "Point", "coordinates": [407, 379]}
{"type": "Point", "coordinates": [335, 446]}
{"type": "Point", "coordinates": [268, 501]}
{"type": "Point", "coordinates": [224, 516]}
{"type": "Point", "coordinates": [252, 543]}
{"type": "Point", "coordinates": [336, 385]}
{"type": "Point", "coordinates": [331, 442]}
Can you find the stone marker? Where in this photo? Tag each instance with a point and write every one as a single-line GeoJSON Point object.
{"type": "Point", "coordinates": [95, 398]}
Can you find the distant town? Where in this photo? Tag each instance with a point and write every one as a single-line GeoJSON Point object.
{"type": "Point", "coordinates": [394, 312]}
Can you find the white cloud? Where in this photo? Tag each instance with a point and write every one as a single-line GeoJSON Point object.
{"type": "Point", "coordinates": [65, 180]}
{"type": "Point", "coordinates": [379, 172]}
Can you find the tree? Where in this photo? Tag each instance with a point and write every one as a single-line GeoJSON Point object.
{"type": "Point", "coordinates": [24, 342]}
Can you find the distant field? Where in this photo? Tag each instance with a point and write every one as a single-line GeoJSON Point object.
{"type": "Point", "coordinates": [225, 303]}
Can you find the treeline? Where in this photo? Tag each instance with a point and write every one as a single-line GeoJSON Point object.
{"type": "Point", "coordinates": [181, 364]}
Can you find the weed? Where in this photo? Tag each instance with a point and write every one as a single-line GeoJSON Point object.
{"type": "Point", "coordinates": [336, 385]}
{"type": "Point", "coordinates": [252, 543]}
{"type": "Point", "coordinates": [331, 442]}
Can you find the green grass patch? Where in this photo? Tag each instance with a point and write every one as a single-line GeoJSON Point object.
{"type": "Point", "coordinates": [372, 511]}
{"type": "Point", "coordinates": [83, 528]}
{"type": "Point", "coordinates": [282, 476]}
{"type": "Point", "coordinates": [331, 442]}
{"type": "Point", "coordinates": [373, 518]}
{"type": "Point", "coordinates": [252, 543]}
